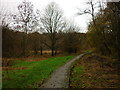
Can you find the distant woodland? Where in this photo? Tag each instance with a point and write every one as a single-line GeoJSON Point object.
{"type": "Point", "coordinates": [29, 33]}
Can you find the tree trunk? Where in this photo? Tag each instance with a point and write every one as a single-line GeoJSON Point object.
{"type": "Point", "coordinates": [55, 52]}
{"type": "Point", "coordinates": [75, 50]}
{"type": "Point", "coordinates": [41, 51]}
{"type": "Point", "coordinates": [36, 52]}
{"type": "Point", "coordinates": [25, 41]}
{"type": "Point", "coordinates": [52, 54]}
{"type": "Point", "coordinates": [24, 45]}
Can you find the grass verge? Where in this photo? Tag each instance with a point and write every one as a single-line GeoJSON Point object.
{"type": "Point", "coordinates": [34, 73]}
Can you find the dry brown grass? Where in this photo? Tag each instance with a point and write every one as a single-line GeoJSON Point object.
{"type": "Point", "coordinates": [100, 72]}
{"type": "Point", "coordinates": [11, 68]}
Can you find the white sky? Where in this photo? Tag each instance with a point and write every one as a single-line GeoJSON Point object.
{"type": "Point", "coordinates": [69, 7]}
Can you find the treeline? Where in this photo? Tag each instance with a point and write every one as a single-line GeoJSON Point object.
{"type": "Point", "coordinates": [104, 30]}
{"type": "Point", "coordinates": [13, 43]}
{"type": "Point", "coordinates": [30, 31]}
{"type": "Point", "coordinates": [48, 30]}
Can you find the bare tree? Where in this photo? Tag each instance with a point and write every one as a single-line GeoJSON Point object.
{"type": "Point", "coordinates": [52, 24]}
{"type": "Point", "coordinates": [91, 10]}
{"type": "Point", "coordinates": [5, 17]}
{"type": "Point", "coordinates": [25, 20]}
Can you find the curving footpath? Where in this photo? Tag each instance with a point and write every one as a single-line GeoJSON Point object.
{"type": "Point", "coordinates": [60, 77]}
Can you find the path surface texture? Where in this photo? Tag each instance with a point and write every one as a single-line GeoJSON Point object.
{"type": "Point", "coordinates": [60, 77]}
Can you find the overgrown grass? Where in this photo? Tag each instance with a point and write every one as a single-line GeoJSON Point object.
{"type": "Point", "coordinates": [94, 71]}
{"type": "Point", "coordinates": [34, 74]}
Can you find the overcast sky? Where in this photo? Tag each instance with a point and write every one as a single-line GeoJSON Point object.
{"type": "Point", "coordinates": [69, 7]}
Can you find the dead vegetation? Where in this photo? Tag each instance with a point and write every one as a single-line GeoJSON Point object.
{"type": "Point", "coordinates": [99, 72]}
{"type": "Point", "coordinates": [11, 68]}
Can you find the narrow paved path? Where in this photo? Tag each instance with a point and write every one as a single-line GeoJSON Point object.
{"type": "Point", "coordinates": [59, 78]}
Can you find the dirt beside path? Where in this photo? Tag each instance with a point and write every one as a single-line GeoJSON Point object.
{"type": "Point", "coordinates": [59, 78]}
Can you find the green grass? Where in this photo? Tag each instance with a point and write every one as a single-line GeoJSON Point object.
{"type": "Point", "coordinates": [34, 74]}
{"type": "Point", "coordinates": [76, 76]}
{"type": "Point", "coordinates": [78, 70]}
